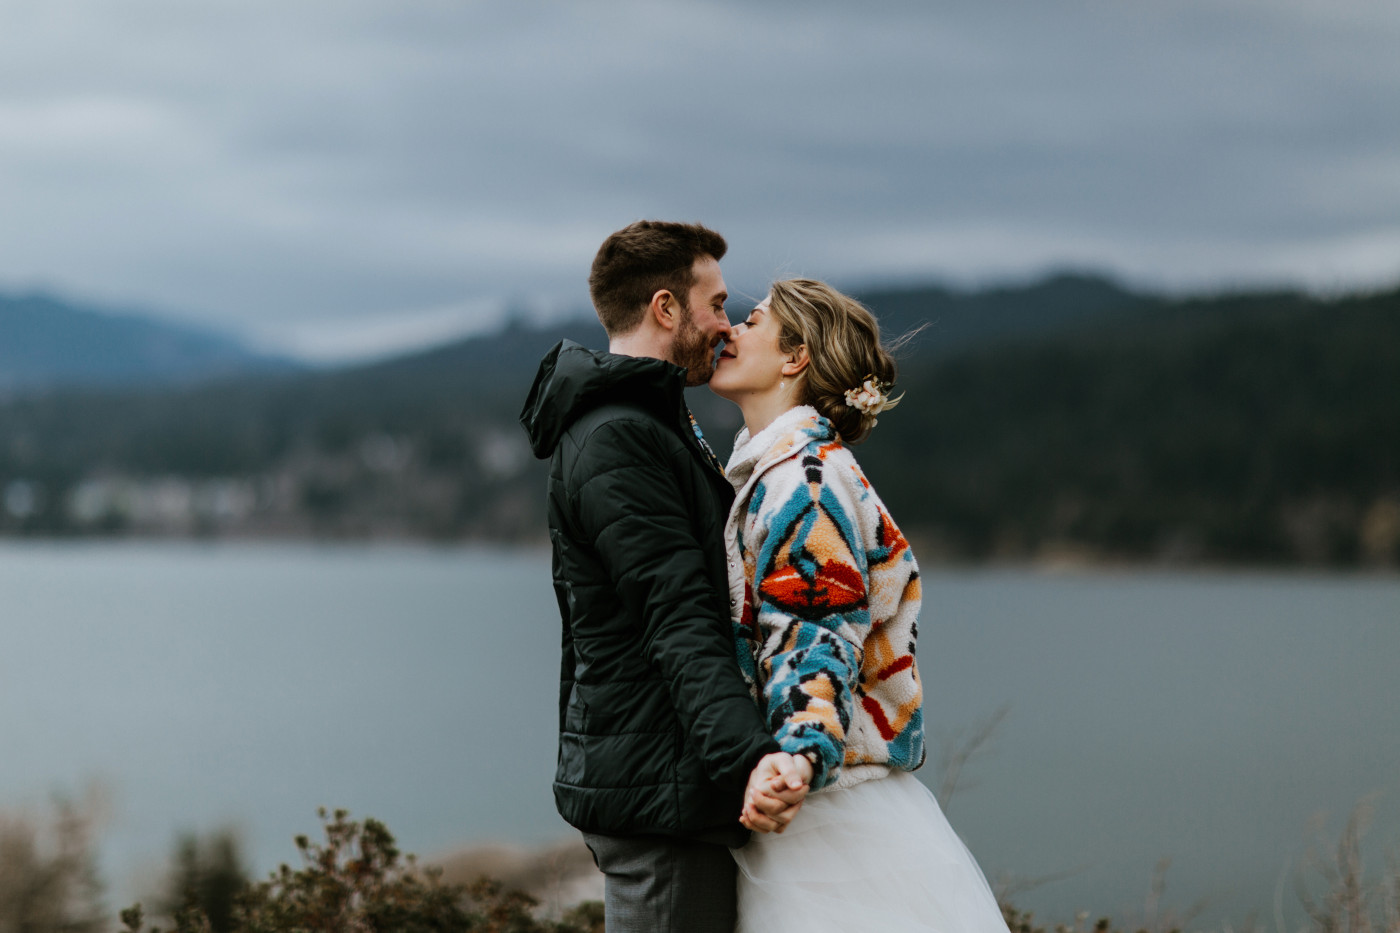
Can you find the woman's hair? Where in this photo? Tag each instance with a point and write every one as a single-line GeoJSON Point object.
{"type": "Point", "coordinates": [843, 344]}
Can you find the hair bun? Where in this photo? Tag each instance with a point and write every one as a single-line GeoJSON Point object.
{"type": "Point", "coordinates": [850, 375]}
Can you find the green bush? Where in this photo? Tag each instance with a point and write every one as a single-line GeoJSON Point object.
{"type": "Point", "coordinates": [48, 873]}
{"type": "Point", "coordinates": [208, 874]}
{"type": "Point", "coordinates": [357, 881]}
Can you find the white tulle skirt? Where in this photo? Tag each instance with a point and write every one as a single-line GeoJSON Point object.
{"type": "Point", "coordinates": [876, 856]}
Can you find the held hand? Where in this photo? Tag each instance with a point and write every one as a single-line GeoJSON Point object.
{"type": "Point", "coordinates": [777, 787]}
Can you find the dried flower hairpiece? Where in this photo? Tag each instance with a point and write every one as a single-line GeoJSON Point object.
{"type": "Point", "coordinates": [869, 398]}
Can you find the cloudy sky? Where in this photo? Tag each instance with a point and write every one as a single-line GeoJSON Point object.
{"type": "Point", "coordinates": [340, 177]}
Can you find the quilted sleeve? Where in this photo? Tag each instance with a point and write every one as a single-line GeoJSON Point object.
{"type": "Point", "coordinates": [633, 508]}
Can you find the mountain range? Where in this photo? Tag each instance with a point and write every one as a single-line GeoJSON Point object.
{"type": "Point", "coordinates": [48, 342]}
{"type": "Point", "coordinates": [1069, 418]}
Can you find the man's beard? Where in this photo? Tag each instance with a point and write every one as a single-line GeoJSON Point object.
{"type": "Point", "coordinates": [694, 351]}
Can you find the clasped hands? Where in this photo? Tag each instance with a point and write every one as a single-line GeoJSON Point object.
{"type": "Point", "coordinates": [777, 786]}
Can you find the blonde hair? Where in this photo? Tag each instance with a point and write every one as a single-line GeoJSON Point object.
{"type": "Point", "coordinates": [843, 344]}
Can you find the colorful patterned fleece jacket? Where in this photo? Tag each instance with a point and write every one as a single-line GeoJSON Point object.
{"type": "Point", "coordinates": [825, 596]}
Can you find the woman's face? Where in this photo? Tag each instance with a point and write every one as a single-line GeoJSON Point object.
{"type": "Point", "coordinates": [751, 363]}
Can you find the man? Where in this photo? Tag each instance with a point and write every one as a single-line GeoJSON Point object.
{"type": "Point", "coordinates": [657, 730]}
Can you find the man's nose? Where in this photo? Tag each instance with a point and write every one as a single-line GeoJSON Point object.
{"type": "Point", "coordinates": [724, 328]}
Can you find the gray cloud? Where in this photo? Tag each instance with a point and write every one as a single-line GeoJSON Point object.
{"type": "Point", "coordinates": [319, 167]}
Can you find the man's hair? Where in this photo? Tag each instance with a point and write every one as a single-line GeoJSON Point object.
{"type": "Point", "coordinates": [641, 259]}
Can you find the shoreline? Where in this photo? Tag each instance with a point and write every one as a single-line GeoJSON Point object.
{"type": "Point", "coordinates": [1052, 564]}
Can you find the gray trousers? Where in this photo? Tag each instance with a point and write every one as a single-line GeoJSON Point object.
{"type": "Point", "coordinates": [657, 884]}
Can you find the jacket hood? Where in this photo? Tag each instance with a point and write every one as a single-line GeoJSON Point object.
{"type": "Point", "coordinates": [573, 380]}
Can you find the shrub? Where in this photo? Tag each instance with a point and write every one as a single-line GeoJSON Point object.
{"type": "Point", "coordinates": [48, 874]}
{"type": "Point", "coordinates": [208, 874]}
{"type": "Point", "coordinates": [357, 881]}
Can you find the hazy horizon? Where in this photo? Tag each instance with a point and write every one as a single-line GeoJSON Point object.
{"type": "Point", "coordinates": [331, 343]}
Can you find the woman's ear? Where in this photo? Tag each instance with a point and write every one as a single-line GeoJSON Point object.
{"type": "Point", "coordinates": [796, 362]}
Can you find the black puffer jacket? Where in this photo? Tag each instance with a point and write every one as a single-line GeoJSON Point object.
{"type": "Point", "coordinates": [657, 730]}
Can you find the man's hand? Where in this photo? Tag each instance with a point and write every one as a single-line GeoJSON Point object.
{"type": "Point", "coordinates": [777, 786]}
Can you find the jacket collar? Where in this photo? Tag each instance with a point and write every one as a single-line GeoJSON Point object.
{"type": "Point", "coordinates": [789, 433]}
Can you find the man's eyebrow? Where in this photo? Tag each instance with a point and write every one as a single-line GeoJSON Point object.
{"type": "Point", "coordinates": [722, 297]}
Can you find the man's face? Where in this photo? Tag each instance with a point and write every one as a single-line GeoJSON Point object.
{"type": "Point", "coordinates": [703, 324]}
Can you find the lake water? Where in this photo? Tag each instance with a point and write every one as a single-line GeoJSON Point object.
{"type": "Point", "coordinates": [1202, 718]}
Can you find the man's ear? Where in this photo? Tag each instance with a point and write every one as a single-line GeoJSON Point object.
{"type": "Point", "coordinates": [796, 361]}
{"type": "Point", "coordinates": [663, 309]}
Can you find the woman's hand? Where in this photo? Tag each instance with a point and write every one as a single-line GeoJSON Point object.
{"type": "Point", "coordinates": [777, 786]}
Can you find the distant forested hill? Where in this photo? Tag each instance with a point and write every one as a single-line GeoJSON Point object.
{"type": "Point", "coordinates": [1254, 428]}
{"type": "Point", "coordinates": [958, 320]}
{"type": "Point", "coordinates": [1065, 419]}
{"type": "Point", "coordinates": [47, 343]}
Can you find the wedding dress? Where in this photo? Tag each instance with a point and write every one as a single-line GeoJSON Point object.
{"type": "Point", "coordinates": [879, 856]}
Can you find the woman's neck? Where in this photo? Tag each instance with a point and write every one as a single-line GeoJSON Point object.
{"type": "Point", "coordinates": [762, 410]}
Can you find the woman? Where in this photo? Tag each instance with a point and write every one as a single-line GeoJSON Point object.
{"type": "Point", "coordinates": [825, 596]}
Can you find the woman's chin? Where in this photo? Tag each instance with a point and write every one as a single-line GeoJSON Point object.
{"type": "Point", "coordinates": [717, 384]}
